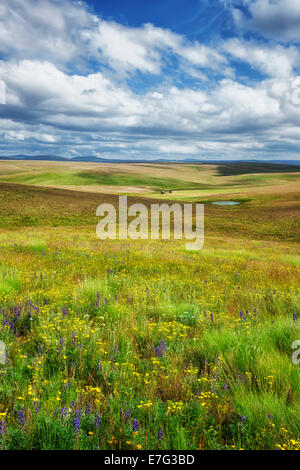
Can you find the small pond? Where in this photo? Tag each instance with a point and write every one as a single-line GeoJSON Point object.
{"type": "Point", "coordinates": [226, 203]}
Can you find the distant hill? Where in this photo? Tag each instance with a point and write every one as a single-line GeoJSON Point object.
{"type": "Point", "coordinates": [278, 163]}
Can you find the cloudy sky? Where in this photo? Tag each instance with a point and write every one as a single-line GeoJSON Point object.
{"type": "Point", "coordinates": [147, 79]}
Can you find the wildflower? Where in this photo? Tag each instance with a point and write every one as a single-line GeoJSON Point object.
{"type": "Point", "coordinates": [76, 420]}
{"type": "Point", "coordinates": [160, 434]}
{"type": "Point", "coordinates": [295, 317]}
{"type": "Point", "coordinates": [88, 409]}
{"type": "Point", "coordinates": [21, 418]}
{"type": "Point", "coordinates": [242, 420]}
{"type": "Point", "coordinates": [135, 425]}
{"type": "Point", "coordinates": [64, 311]}
{"type": "Point", "coordinates": [37, 408]}
{"type": "Point", "coordinates": [97, 421]}
{"type": "Point", "coordinates": [3, 428]}
{"type": "Point", "coordinates": [126, 414]}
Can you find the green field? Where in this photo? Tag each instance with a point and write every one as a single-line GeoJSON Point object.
{"type": "Point", "coordinates": [141, 344]}
{"type": "Point", "coordinates": [186, 181]}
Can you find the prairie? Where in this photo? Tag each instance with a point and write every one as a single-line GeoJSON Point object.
{"type": "Point", "coordinates": [141, 344]}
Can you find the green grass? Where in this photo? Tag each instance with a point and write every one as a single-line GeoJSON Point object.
{"type": "Point", "coordinates": [9, 280]}
{"type": "Point", "coordinates": [195, 344]}
{"type": "Point", "coordinates": [69, 178]}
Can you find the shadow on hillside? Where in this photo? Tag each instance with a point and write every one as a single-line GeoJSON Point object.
{"type": "Point", "coordinates": [243, 168]}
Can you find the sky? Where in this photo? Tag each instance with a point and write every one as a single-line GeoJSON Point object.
{"type": "Point", "coordinates": [150, 79]}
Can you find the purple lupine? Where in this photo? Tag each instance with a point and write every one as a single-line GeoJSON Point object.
{"type": "Point", "coordinates": [126, 414]}
{"type": "Point", "coordinates": [76, 420]}
{"type": "Point", "coordinates": [160, 434]}
{"type": "Point", "coordinates": [21, 418]}
{"type": "Point", "coordinates": [135, 425]}
{"type": "Point", "coordinates": [97, 421]}
{"type": "Point", "coordinates": [64, 311]}
{"type": "Point", "coordinates": [62, 342]}
{"type": "Point", "coordinates": [295, 317]}
{"type": "Point", "coordinates": [98, 299]}
{"type": "Point", "coordinates": [3, 428]}
{"type": "Point", "coordinates": [242, 420]}
{"type": "Point", "coordinates": [88, 409]}
{"type": "Point", "coordinates": [37, 408]}
{"type": "Point", "coordinates": [160, 349]}
{"type": "Point", "coordinates": [99, 366]}
{"type": "Point", "coordinates": [212, 317]}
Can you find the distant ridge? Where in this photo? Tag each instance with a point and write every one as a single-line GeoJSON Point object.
{"type": "Point", "coordinates": [158, 160]}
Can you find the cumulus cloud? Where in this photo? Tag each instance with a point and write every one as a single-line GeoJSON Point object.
{"type": "Point", "coordinates": [66, 34]}
{"type": "Point", "coordinates": [52, 30]}
{"type": "Point", "coordinates": [70, 80]}
{"type": "Point", "coordinates": [275, 61]}
{"type": "Point", "coordinates": [276, 19]}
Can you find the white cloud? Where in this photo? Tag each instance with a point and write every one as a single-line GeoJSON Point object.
{"type": "Point", "coordinates": [276, 19]}
{"type": "Point", "coordinates": [66, 34]}
{"type": "Point", "coordinates": [56, 102]}
{"type": "Point", "coordinates": [45, 29]}
{"type": "Point", "coordinates": [276, 61]}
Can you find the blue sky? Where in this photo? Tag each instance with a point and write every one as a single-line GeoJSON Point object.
{"type": "Point", "coordinates": [140, 79]}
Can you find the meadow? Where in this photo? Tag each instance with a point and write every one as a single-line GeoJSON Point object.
{"type": "Point", "coordinates": [141, 344]}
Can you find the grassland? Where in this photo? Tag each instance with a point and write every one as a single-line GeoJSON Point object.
{"type": "Point", "coordinates": [186, 181]}
{"type": "Point", "coordinates": [140, 344]}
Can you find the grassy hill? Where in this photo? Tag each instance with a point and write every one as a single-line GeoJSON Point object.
{"type": "Point", "coordinates": [123, 344]}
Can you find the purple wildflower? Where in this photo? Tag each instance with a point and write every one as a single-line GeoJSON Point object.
{"type": "Point", "coordinates": [126, 414]}
{"type": "Point", "coordinates": [160, 434]}
{"type": "Point", "coordinates": [64, 311]}
{"type": "Point", "coordinates": [295, 317]}
{"type": "Point", "coordinates": [88, 409]}
{"type": "Point", "coordinates": [76, 420]}
{"type": "Point", "coordinates": [21, 418]}
{"type": "Point", "coordinates": [3, 428]}
{"type": "Point", "coordinates": [135, 425]}
{"type": "Point", "coordinates": [97, 421]}
{"type": "Point", "coordinates": [242, 420]}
